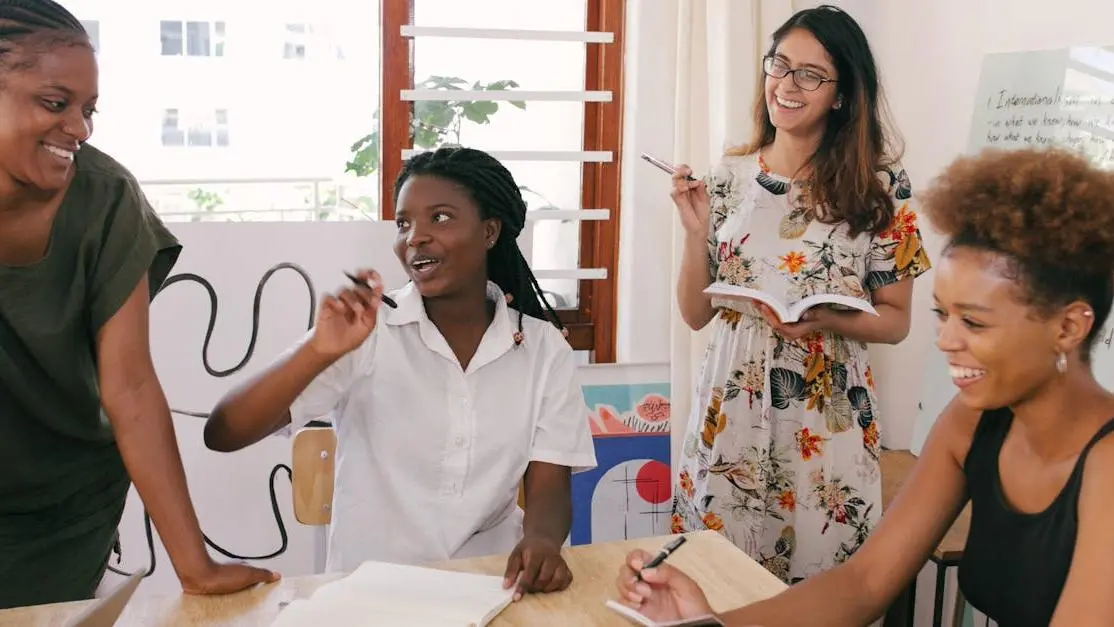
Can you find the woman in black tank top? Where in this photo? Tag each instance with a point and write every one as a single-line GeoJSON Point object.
{"type": "Point", "coordinates": [1022, 293]}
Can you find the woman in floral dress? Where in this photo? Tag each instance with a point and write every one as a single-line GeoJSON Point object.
{"type": "Point", "coordinates": [781, 453]}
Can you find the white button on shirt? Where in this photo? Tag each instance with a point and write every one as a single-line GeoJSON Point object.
{"type": "Point", "coordinates": [429, 456]}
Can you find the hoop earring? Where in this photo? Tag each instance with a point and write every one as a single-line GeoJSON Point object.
{"type": "Point", "coordinates": [1062, 363]}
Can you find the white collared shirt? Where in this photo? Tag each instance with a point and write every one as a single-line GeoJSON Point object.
{"type": "Point", "coordinates": [429, 456]}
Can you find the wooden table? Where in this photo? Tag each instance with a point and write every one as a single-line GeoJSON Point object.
{"type": "Point", "coordinates": [727, 575]}
{"type": "Point", "coordinates": [896, 466]}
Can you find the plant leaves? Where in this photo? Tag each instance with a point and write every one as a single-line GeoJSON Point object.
{"type": "Point", "coordinates": [837, 414]}
{"type": "Point", "coordinates": [839, 375]}
{"type": "Point", "coordinates": [879, 278]}
{"type": "Point", "coordinates": [785, 385]}
{"type": "Point", "coordinates": [859, 398]}
{"type": "Point", "coordinates": [866, 417]}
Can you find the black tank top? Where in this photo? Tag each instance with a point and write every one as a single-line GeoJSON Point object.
{"type": "Point", "coordinates": [1015, 564]}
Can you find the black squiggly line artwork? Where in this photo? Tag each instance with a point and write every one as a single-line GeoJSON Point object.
{"type": "Point", "coordinates": [255, 316]}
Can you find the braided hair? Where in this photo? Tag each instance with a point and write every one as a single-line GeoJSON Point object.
{"type": "Point", "coordinates": [493, 189]}
{"type": "Point", "coordinates": [36, 24]}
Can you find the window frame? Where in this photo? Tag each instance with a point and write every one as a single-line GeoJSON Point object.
{"type": "Point", "coordinates": [592, 325]}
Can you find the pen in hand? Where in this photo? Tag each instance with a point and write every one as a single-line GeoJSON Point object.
{"type": "Point", "coordinates": [662, 165]}
{"type": "Point", "coordinates": [387, 300]}
{"type": "Point", "coordinates": [665, 552]}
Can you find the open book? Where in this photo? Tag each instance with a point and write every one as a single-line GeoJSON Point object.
{"type": "Point", "coordinates": [639, 619]}
{"type": "Point", "coordinates": [380, 593]}
{"type": "Point", "coordinates": [788, 310]}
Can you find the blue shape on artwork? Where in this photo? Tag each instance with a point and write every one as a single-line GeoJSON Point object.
{"type": "Point", "coordinates": [610, 452]}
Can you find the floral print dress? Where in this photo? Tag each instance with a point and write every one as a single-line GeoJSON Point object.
{"type": "Point", "coordinates": [781, 453]}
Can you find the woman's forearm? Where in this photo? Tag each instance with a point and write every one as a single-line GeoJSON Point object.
{"type": "Point", "coordinates": [695, 306]}
{"type": "Point", "coordinates": [890, 326]}
{"type": "Point", "coordinates": [548, 513]}
{"type": "Point", "coordinates": [261, 406]}
{"type": "Point", "coordinates": [834, 598]}
{"type": "Point", "coordinates": [144, 432]}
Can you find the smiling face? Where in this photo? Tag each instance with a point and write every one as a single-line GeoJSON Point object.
{"type": "Point", "coordinates": [442, 240]}
{"type": "Point", "coordinates": [1000, 349]}
{"type": "Point", "coordinates": [45, 114]}
{"type": "Point", "coordinates": [792, 109]}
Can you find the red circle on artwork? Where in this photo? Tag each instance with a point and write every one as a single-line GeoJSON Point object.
{"type": "Point", "coordinates": [652, 482]}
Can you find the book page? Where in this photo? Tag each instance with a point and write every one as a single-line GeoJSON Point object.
{"type": "Point", "coordinates": [851, 302]}
{"type": "Point", "coordinates": [424, 596]}
{"type": "Point", "coordinates": [637, 618]}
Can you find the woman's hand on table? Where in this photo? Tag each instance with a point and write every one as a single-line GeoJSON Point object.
{"type": "Point", "coordinates": [226, 579]}
{"type": "Point", "coordinates": [537, 566]}
{"type": "Point", "coordinates": [665, 593]}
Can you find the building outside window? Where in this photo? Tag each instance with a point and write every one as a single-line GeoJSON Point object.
{"type": "Point", "coordinates": [192, 38]}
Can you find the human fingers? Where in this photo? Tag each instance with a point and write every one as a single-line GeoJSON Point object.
{"type": "Point", "coordinates": [562, 577]}
{"type": "Point", "coordinates": [543, 582]}
{"type": "Point", "coordinates": [514, 566]}
{"type": "Point", "coordinates": [531, 568]}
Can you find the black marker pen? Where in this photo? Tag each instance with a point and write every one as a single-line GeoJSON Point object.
{"type": "Point", "coordinates": [387, 300]}
{"type": "Point", "coordinates": [665, 552]}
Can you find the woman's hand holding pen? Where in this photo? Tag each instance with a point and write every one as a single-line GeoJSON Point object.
{"type": "Point", "coordinates": [664, 592]}
{"type": "Point", "coordinates": [347, 318]}
{"type": "Point", "coordinates": [691, 199]}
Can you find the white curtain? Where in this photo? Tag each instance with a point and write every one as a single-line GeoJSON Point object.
{"type": "Point", "coordinates": [720, 44]}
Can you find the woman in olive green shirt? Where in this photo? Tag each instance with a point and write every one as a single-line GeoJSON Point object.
{"type": "Point", "coordinates": [81, 254]}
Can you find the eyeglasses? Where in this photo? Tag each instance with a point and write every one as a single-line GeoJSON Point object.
{"type": "Point", "coordinates": [802, 77]}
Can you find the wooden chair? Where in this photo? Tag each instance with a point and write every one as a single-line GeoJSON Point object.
{"type": "Point", "coordinates": [312, 470]}
{"type": "Point", "coordinates": [896, 466]}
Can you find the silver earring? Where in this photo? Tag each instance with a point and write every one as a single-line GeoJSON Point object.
{"type": "Point", "coordinates": [1062, 363]}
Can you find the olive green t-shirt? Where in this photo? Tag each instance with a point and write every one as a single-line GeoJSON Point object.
{"type": "Point", "coordinates": [55, 439]}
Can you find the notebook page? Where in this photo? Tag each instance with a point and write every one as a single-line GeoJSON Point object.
{"type": "Point", "coordinates": [305, 613]}
{"type": "Point", "coordinates": [420, 594]}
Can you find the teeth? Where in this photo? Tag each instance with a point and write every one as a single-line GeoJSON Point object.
{"type": "Point", "coordinates": [58, 152]}
{"type": "Point", "coordinates": [789, 104]}
{"type": "Point", "coordinates": [958, 372]}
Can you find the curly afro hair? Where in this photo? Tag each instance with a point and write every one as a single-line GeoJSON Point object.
{"type": "Point", "coordinates": [1050, 213]}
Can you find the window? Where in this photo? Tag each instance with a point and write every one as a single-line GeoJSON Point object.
{"type": "Point", "coordinates": [171, 134]}
{"type": "Point", "coordinates": [304, 40]}
{"type": "Point", "coordinates": [93, 28]}
{"type": "Point", "coordinates": [209, 129]}
{"type": "Point", "coordinates": [316, 147]}
{"type": "Point", "coordinates": [561, 143]}
{"type": "Point", "coordinates": [295, 45]}
{"type": "Point", "coordinates": [192, 39]}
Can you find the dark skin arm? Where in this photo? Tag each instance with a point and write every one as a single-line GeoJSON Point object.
{"type": "Point", "coordinates": [136, 407]}
{"type": "Point", "coordinates": [859, 590]}
{"type": "Point", "coordinates": [545, 526]}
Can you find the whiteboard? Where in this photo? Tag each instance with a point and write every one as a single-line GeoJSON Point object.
{"type": "Point", "coordinates": [1045, 98]}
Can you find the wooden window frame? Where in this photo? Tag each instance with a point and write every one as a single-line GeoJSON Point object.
{"type": "Point", "coordinates": [592, 325]}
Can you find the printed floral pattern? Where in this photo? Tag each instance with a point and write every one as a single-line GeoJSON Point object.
{"type": "Point", "coordinates": [781, 453]}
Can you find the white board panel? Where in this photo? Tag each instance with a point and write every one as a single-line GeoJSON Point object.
{"type": "Point", "coordinates": [1044, 98]}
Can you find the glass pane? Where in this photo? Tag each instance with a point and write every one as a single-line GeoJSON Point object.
{"type": "Point", "coordinates": [93, 28]}
{"type": "Point", "coordinates": [518, 14]}
{"type": "Point", "coordinates": [440, 63]}
{"type": "Point", "coordinates": [296, 134]}
{"type": "Point", "coordinates": [171, 36]}
{"type": "Point", "coordinates": [197, 39]}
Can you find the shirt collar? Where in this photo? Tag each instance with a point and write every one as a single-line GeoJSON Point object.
{"type": "Point", "coordinates": [498, 339]}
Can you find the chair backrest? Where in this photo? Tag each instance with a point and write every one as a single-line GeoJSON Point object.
{"type": "Point", "coordinates": [311, 471]}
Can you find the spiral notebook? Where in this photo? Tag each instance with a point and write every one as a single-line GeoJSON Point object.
{"type": "Point", "coordinates": [380, 593]}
